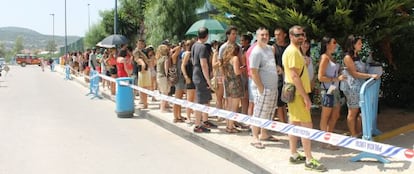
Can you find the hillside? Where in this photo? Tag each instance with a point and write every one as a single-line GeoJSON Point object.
{"type": "Point", "coordinates": [31, 39]}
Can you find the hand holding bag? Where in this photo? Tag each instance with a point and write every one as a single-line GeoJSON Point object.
{"type": "Point", "coordinates": [288, 91]}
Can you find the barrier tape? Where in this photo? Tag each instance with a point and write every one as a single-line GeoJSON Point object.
{"type": "Point", "coordinates": [312, 134]}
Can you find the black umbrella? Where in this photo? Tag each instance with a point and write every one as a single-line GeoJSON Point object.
{"type": "Point", "coordinates": [115, 39]}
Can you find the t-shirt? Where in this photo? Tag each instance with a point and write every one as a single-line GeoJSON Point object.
{"type": "Point", "coordinates": [292, 58]}
{"type": "Point", "coordinates": [248, 52]}
{"type": "Point", "coordinates": [199, 51]}
{"type": "Point", "coordinates": [263, 60]}
{"type": "Point", "coordinates": [278, 54]}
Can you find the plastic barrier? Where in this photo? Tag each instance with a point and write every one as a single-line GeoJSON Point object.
{"type": "Point", "coordinates": [94, 84]}
{"type": "Point", "coordinates": [369, 109]}
{"type": "Point", "coordinates": [67, 72]}
{"type": "Point", "coordinates": [124, 98]}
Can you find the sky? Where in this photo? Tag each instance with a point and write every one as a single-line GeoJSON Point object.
{"type": "Point", "coordinates": [35, 15]}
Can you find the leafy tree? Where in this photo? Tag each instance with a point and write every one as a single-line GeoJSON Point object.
{"type": "Point", "coordinates": [169, 19]}
{"type": "Point", "coordinates": [18, 45]}
{"type": "Point", "coordinates": [380, 21]}
{"type": "Point", "coordinates": [130, 18]}
{"type": "Point", "coordinates": [51, 46]}
{"type": "Point", "coordinates": [95, 35]}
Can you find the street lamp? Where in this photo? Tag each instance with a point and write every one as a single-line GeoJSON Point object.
{"type": "Point", "coordinates": [53, 31]}
{"type": "Point", "coordinates": [66, 38]}
{"type": "Point", "coordinates": [89, 18]}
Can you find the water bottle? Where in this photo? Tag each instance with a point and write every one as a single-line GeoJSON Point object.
{"type": "Point", "coordinates": [344, 85]}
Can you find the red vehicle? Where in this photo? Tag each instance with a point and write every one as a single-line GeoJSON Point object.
{"type": "Point", "coordinates": [26, 59]}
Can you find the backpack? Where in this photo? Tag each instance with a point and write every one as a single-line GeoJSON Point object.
{"type": "Point", "coordinates": [172, 74]}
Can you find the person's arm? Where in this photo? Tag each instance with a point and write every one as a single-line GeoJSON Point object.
{"type": "Point", "coordinates": [236, 65]}
{"type": "Point", "coordinates": [167, 63]}
{"type": "Point", "coordinates": [183, 69]}
{"type": "Point", "coordinates": [204, 69]}
{"type": "Point", "coordinates": [349, 63]}
{"type": "Point", "coordinates": [256, 79]}
{"type": "Point", "coordinates": [176, 52]}
{"type": "Point", "coordinates": [294, 74]}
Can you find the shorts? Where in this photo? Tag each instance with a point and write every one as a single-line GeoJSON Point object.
{"type": "Point", "coordinates": [265, 104]}
{"type": "Point", "coordinates": [163, 85]}
{"type": "Point", "coordinates": [180, 85]}
{"type": "Point", "coordinates": [280, 103]}
{"type": "Point", "coordinates": [251, 90]}
{"type": "Point", "coordinates": [333, 100]}
{"type": "Point", "coordinates": [190, 86]}
{"type": "Point", "coordinates": [113, 71]}
{"type": "Point", "coordinates": [297, 110]}
{"type": "Point", "coordinates": [203, 93]}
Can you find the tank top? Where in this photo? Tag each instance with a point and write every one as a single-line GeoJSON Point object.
{"type": "Point", "coordinates": [189, 68]}
{"type": "Point", "coordinates": [160, 66]}
{"type": "Point", "coordinates": [331, 72]}
{"type": "Point", "coordinates": [121, 70]}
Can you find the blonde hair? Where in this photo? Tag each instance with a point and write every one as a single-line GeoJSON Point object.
{"type": "Point", "coordinates": [162, 50]}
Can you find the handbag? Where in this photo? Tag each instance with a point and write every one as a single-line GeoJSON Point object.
{"type": "Point", "coordinates": [214, 83]}
{"type": "Point", "coordinates": [288, 90]}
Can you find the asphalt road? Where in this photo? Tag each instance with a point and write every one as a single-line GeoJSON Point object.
{"type": "Point", "coordinates": [48, 125]}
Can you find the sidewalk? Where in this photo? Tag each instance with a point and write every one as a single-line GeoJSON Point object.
{"type": "Point", "coordinates": [274, 158]}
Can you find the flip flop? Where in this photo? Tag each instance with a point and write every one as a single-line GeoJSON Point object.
{"type": "Point", "coordinates": [271, 138]}
{"type": "Point", "coordinates": [258, 145]}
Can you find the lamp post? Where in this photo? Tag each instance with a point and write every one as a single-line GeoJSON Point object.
{"type": "Point", "coordinates": [66, 38]}
{"type": "Point", "coordinates": [53, 32]}
{"type": "Point", "coordinates": [89, 18]}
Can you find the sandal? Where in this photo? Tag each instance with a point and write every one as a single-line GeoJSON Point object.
{"type": "Point", "coordinates": [270, 138]}
{"type": "Point", "coordinates": [258, 145]}
{"type": "Point", "coordinates": [232, 130]}
{"type": "Point", "coordinates": [241, 126]}
{"type": "Point", "coordinates": [178, 120]}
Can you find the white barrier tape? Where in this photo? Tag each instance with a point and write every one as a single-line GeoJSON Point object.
{"type": "Point", "coordinates": [312, 134]}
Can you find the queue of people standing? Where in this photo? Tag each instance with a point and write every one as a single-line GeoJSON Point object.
{"type": "Point", "coordinates": [245, 78]}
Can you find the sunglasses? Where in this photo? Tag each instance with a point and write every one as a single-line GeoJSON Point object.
{"type": "Point", "coordinates": [298, 35]}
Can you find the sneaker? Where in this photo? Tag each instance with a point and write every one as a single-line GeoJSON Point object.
{"type": "Point", "coordinates": [298, 160]}
{"type": "Point", "coordinates": [315, 165]}
{"type": "Point", "coordinates": [208, 124]}
{"type": "Point", "coordinates": [201, 129]}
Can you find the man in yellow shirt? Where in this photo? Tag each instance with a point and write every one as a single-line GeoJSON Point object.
{"type": "Point", "coordinates": [299, 109]}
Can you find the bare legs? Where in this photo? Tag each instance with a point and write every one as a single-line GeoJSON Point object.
{"type": "Point", "coordinates": [177, 108]}
{"type": "Point", "coordinates": [354, 123]}
{"type": "Point", "coordinates": [190, 98]}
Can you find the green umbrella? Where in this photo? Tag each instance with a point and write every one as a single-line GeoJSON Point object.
{"type": "Point", "coordinates": [214, 27]}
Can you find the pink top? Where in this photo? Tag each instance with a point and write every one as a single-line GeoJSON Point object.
{"type": "Point", "coordinates": [248, 52]}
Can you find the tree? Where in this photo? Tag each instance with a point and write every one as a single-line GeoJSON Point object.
{"type": "Point", "coordinates": [130, 18]}
{"type": "Point", "coordinates": [18, 45]}
{"type": "Point", "coordinates": [51, 46]}
{"type": "Point", "coordinates": [95, 35]}
{"type": "Point", "coordinates": [380, 21]}
{"type": "Point", "coordinates": [169, 19]}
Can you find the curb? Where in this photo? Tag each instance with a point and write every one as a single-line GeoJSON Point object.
{"type": "Point", "coordinates": [213, 147]}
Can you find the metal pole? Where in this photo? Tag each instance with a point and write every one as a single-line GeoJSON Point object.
{"type": "Point", "coordinates": [53, 32]}
{"type": "Point", "coordinates": [89, 18]}
{"type": "Point", "coordinates": [66, 38]}
{"type": "Point", "coordinates": [116, 16]}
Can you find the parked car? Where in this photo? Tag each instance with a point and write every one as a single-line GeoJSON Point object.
{"type": "Point", "coordinates": [26, 59]}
